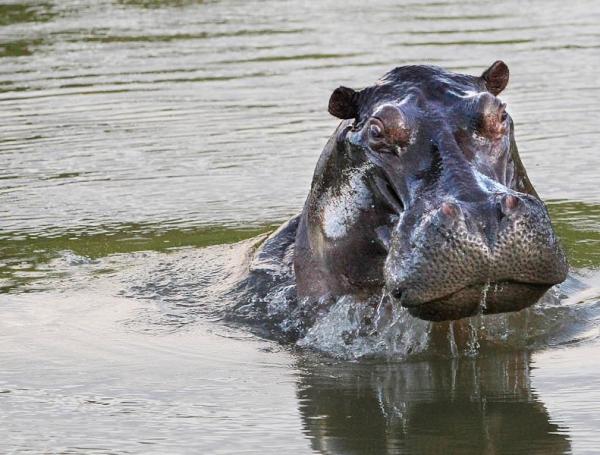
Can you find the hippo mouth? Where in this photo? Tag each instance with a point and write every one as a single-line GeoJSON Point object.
{"type": "Point", "coordinates": [479, 298]}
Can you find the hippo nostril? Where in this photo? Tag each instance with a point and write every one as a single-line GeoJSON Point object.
{"type": "Point", "coordinates": [397, 293]}
{"type": "Point", "coordinates": [510, 202]}
{"type": "Point", "coordinates": [449, 209]}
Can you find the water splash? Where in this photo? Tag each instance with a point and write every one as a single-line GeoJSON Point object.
{"type": "Point", "coordinates": [472, 347]}
{"type": "Point", "coordinates": [484, 293]}
{"type": "Point", "coordinates": [355, 329]}
{"type": "Point", "coordinates": [452, 340]}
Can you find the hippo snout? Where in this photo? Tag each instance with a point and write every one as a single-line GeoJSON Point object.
{"type": "Point", "coordinates": [456, 258]}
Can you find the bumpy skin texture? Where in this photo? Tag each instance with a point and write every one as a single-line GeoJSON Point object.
{"type": "Point", "coordinates": [420, 191]}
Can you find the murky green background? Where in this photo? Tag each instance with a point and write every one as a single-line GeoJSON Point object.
{"type": "Point", "coordinates": [132, 129]}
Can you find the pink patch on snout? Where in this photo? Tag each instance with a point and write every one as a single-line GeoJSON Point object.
{"type": "Point", "coordinates": [449, 209]}
{"type": "Point", "coordinates": [511, 202]}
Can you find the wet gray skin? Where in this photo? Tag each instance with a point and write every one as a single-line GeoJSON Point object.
{"type": "Point", "coordinates": [420, 192]}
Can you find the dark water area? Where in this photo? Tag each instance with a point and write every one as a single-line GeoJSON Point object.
{"type": "Point", "coordinates": [143, 142]}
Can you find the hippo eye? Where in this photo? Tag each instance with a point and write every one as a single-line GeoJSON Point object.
{"type": "Point", "coordinates": [375, 131]}
{"type": "Point", "coordinates": [387, 130]}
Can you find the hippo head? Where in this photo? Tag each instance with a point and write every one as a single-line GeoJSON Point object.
{"type": "Point", "coordinates": [421, 193]}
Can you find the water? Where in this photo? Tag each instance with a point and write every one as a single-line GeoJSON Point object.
{"type": "Point", "coordinates": [140, 139]}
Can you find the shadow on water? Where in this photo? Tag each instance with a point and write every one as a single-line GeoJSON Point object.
{"type": "Point", "coordinates": [480, 405]}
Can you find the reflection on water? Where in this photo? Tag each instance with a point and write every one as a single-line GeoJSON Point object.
{"type": "Point", "coordinates": [134, 132]}
{"type": "Point", "coordinates": [481, 405]}
{"type": "Point", "coordinates": [17, 49]}
{"type": "Point", "coordinates": [13, 13]}
{"type": "Point", "coordinates": [197, 113]}
{"type": "Point", "coordinates": [578, 225]}
{"type": "Point", "coordinates": [27, 258]}
{"type": "Point", "coordinates": [103, 365]}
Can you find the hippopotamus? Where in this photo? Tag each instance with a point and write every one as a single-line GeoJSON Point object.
{"type": "Point", "coordinates": [420, 195]}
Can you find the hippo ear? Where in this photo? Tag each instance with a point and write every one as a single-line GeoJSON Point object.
{"type": "Point", "coordinates": [343, 103]}
{"type": "Point", "coordinates": [496, 77]}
